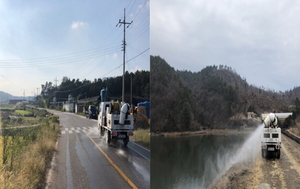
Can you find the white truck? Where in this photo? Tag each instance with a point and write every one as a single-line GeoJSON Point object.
{"type": "Point", "coordinates": [271, 137]}
{"type": "Point", "coordinates": [115, 120]}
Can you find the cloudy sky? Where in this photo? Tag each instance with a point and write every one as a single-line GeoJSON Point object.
{"type": "Point", "coordinates": [44, 40]}
{"type": "Point", "coordinates": [260, 39]}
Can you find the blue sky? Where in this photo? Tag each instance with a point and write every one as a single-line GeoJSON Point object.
{"type": "Point", "coordinates": [260, 39]}
{"type": "Point", "coordinates": [44, 40]}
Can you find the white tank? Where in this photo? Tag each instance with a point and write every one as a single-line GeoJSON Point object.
{"type": "Point", "coordinates": [271, 120]}
{"type": "Point", "coordinates": [123, 112]}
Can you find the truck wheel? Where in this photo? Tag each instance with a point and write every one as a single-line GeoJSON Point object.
{"type": "Point", "coordinates": [102, 131]}
{"type": "Point", "coordinates": [278, 154]}
{"type": "Point", "coordinates": [263, 154]}
{"type": "Point", "coordinates": [108, 137]}
{"type": "Point", "coordinates": [126, 140]}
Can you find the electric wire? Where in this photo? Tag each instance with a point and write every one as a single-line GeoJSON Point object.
{"type": "Point", "coordinates": [87, 56]}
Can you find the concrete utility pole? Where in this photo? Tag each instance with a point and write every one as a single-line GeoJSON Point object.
{"type": "Point", "coordinates": [56, 81]}
{"type": "Point", "coordinates": [124, 49]}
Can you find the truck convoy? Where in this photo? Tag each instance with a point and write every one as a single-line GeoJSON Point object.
{"type": "Point", "coordinates": [115, 120]}
{"type": "Point", "coordinates": [271, 137]}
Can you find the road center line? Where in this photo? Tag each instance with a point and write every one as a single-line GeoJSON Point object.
{"type": "Point", "coordinates": [113, 164]}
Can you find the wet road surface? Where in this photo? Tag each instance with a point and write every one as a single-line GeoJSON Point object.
{"type": "Point", "coordinates": [84, 160]}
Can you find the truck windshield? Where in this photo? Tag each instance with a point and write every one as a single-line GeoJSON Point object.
{"type": "Point", "coordinates": [266, 135]}
{"type": "Point", "coordinates": [275, 135]}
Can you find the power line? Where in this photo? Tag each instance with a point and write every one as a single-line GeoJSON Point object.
{"type": "Point", "coordinates": [12, 82]}
{"type": "Point", "coordinates": [130, 8]}
{"type": "Point", "coordinates": [56, 60]}
{"type": "Point", "coordinates": [137, 55]}
{"type": "Point", "coordinates": [140, 10]}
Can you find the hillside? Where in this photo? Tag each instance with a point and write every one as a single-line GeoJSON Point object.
{"type": "Point", "coordinates": [5, 96]}
{"type": "Point", "coordinates": [215, 97]}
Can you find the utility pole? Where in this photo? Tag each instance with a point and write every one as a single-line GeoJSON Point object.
{"type": "Point", "coordinates": [124, 50]}
{"type": "Point", "coordinates": [56, 81]}
{"type": "Point", "coordinates": [131, 91]}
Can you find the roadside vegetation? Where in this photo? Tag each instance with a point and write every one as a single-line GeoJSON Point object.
{"type": "Point", "coordinates": [142, 136]}
{"type": "Point", "coordinates": [26, 152]}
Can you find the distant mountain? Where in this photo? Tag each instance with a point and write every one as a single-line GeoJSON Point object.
{"type": "Point", "coordinates": [4, 97]}
{"type": "Point", "coordinates": [215, 97]}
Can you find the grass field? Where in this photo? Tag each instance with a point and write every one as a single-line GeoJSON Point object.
{"type": "Point", "coordinates": [142, 136]}
{"type": "Point", "coordinates": [1, 150]}
{"type": "Point", "coordinates": [5, 109]}
{"type": "Point", "coordinates": [24, 113]}
{"type": "Point", "coordinates": [28, 152]}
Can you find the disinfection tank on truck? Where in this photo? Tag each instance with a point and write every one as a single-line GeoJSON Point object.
{"type": "Point", "coordinates": [114, 119]}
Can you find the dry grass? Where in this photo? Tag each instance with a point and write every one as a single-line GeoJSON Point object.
{"type": "Point", "coordinates": [28, 169]}
{"type": "Point", "coordinates": [142, 136]}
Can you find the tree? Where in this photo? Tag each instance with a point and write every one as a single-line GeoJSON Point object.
{"type": "Point", "coordinates": [185, 119]}
{"type": "Point", "coordinates": [297, 105]}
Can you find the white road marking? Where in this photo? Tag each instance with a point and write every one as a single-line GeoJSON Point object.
{"type": "Point", "coordinates": [76, 129]}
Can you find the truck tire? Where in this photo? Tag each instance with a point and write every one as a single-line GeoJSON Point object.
{"type": "Point", "coordinates": [126, 140]}
{"type": "Point", "coordinates": [263, 153]}
{"type": "Point", "coordinates": [102, 131]}
{"type": "Point", "coordinates": [278, 154]}
{"type": "Point", "coordinates": [108, 137]}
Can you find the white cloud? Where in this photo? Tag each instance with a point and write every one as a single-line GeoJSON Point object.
{"type": "Point", "coordinates": [115, 55]}
{"type": "Point", "coordinates": [249, 36]}
{"type": "Point", "coordinates": [111, 56]}
{"type": "Point", "coordinates": [77, 24]}
{"type": "Point", "coordinates": [137, 68]}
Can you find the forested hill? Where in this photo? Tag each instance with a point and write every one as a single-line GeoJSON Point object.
{"type": "Point", "coordinates": [215, 97]}
{"type": "Point", "coordinates": [86, 88]}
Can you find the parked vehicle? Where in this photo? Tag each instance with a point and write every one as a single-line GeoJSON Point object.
{"type": "Point", "coordinates": [92, 112]}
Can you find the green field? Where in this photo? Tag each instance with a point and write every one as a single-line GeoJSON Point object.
{"type": "Point", "coordinates": [24, 113]}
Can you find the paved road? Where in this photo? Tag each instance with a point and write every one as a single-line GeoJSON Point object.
{"type": "Point", "coordinates": [283, 173]}
{"type": "Point", "coordinates": [83, 160]}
